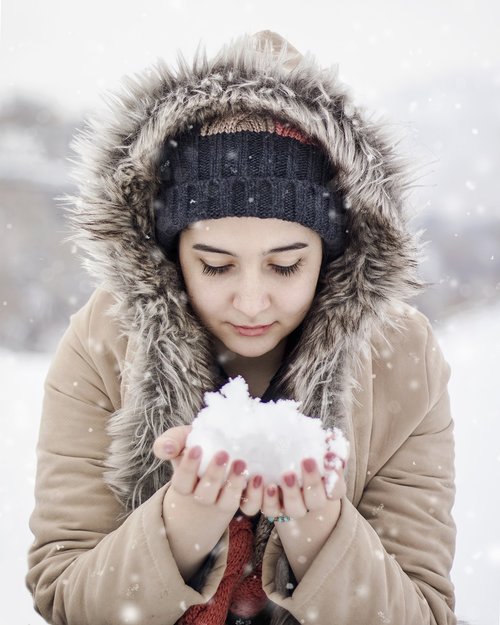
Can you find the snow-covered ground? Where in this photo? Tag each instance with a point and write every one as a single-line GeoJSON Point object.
{"type": "Point", "coordinates": [471, 343]}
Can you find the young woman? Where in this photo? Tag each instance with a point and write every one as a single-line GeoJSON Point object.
{"type": "Point", "coordinates": [242, 217]}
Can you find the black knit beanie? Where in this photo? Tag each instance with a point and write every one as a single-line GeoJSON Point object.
{"type": "Point", "coordinates": [247, 166]}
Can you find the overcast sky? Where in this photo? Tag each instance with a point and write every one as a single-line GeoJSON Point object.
{"type": "Point", "coordinates": [72, 50]}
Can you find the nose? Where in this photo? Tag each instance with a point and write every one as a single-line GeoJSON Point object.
{"type": "Point", "coordinates": [251, 299]}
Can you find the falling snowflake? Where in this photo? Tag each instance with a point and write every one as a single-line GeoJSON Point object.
{"type": "Point", "coordinates": [362, 591]}
{"type": "Point", "coordinates": [494, 554]}
{"type": "Point", "coordinates": [130, 613]}
{"type": "Point", "coordinates": [312, 614]}
{"type": "Point", "coordinates": [383, 618]}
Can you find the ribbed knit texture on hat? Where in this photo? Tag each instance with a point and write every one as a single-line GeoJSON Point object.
{"type": "Point", "coordinates": [240, 122]}
{"type": "Point", "coordinates": [246, 166]}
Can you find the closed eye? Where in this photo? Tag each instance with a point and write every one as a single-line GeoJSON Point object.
{"type": "Point", "coordinates": [287, 270]}
{"type": "Point", "coordinates": [215, 271]}
{"type": "Point", "coordinates": [282, 270]}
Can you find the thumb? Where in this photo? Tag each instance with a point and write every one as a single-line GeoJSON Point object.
{"type": "Point", "coordinates": [171, 443]}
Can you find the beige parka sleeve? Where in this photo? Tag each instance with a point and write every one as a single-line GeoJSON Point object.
{"type": "Point", "coordinates": [84, 567]}
{"type": "Point", "coordinates": [389, 557]}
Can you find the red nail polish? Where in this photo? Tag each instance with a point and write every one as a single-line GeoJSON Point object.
{"type": "Point", "coordinates": [289, 479]}
{"type": "Point", "coordinates": [221, 457]}
{"type": "Point", "coordinates": [257, 481]}
{"type": "Point", "coordinates": [195, 452]}
{"type": "Point", "coordinates": [239, 466]}
{"type": "Point", "coordinates": [309, 465]}
{"type": "Point", "coordinates": [169, 448]}
{"type": "Point", "coordinates": [332, 461]}
{"type": "Point", "coordinates": [271, 491]}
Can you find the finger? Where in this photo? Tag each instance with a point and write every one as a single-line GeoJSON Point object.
{"type": "Point", "coordinates": [212, 480]}
{"type": "Point", "coordinates": [332, 462]}
{"type": "Point", "coordinates": [271, 506]}
{"type": "Point", "coordinates": [313, 488]}
{"type": "Point", "coordinates": [185, 476]}
{"type": "Point", "coordinates": [335, 486]}
{"type": "Point", "coordinates": [251, 498]}
{"type": "Point", "coordinates": [230, 496]}
{"type": "Point", "coordinates": [293, 501]}
{"type": "Point", "coordinates": [171, 443]}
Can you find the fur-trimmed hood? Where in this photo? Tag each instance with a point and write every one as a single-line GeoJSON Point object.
{"type": "Point", "coordinates": [113, 222]}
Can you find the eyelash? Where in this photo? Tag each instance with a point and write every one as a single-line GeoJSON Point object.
{"type": "Point", "coordinates": [280, 270]}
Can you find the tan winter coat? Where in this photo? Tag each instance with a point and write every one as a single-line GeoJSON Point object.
{"type": "Point", "coordinates": [135, 361]}
{"type": "Point", "coordinates": [387, 561]}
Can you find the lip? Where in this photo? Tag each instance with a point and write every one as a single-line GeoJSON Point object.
{"type": "Point", "coordinates": [252, 330]}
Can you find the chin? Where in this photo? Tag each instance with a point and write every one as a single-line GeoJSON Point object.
{"type": "Point", "coordinates": [250, 347]}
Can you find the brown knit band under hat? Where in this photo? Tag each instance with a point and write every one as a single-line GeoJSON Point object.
{"type": "Point", "coordinates": [247, 166]}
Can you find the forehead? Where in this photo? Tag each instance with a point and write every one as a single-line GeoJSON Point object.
{"type": "Point", "coordinates": [249, 229]}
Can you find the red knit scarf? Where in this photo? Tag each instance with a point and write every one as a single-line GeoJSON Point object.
{"type": "Point", "coordinates": [239, 591]}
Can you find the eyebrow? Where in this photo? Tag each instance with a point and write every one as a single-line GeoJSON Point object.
{"type": "Point", "coordinates": [286, 248]}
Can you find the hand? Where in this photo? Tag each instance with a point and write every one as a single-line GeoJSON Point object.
{"type": "Point", "coordinates": [314, 513]}
{"type": "Point", "coordinates": [295, 502]}
{"type": "Point", "coordinates": [212, 488]}
{"type": "Point", "coordinates": [197, 510]}
{"type": "Point", "coordinates": [288, 498]}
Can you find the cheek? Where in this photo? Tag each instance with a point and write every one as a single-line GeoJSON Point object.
{"type": "Point", "coordinates": [206, 300]}
{"type": "Point", "coordinates": [297, 299]}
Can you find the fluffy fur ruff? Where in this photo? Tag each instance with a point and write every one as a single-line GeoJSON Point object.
{"type": "Point", "coordinates": [113, 223]}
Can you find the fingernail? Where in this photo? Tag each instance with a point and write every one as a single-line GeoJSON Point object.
{"type": "Point", "coordinates": [195, 452]}
{"type": "Point", "coordinates": [271, 491]}
{"type": "Point", "coordinates": [332, 461]}
{"type": "Point", "coordinates": [169, 448]}
{"type": "Point", "coordinates": [221, 457]}
{"type": "Point", "coordinates": [257, 481]}
{"type": "Point", "coordinates": [239, 466]}
{"type": "Point", "coordinates": [289, 479]}
{"type": "Point", "coordinates": [309, 464]}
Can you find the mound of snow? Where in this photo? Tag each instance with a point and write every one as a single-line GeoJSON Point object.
{"type": "Point", "coordinates": [271, 437]}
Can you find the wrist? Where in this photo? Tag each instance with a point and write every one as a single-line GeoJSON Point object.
{"type": "Point", "coordinates": [303, 538]}
{"type": "Point", "coordinates": [192, 530]}
{"type": "Point", "coordinates": [327, 516]}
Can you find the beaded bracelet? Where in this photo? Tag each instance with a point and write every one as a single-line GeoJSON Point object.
{"type": "Point", "coordinates": [278, 519]}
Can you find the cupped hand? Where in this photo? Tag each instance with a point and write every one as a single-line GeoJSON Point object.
{"type": "Point", "coordinates": [286, 498]}
{"type": "Point", "coordinates": [216, 486]}
{"type": "Point", "coordinates": [213, 488]}
{"type": "Point", "coordinates": [289, 499]}
{"type": "Point", "coordinates": [197, 509]}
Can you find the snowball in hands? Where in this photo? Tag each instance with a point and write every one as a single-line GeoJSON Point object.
{"type": "Point", "coordinates": [271, 437]}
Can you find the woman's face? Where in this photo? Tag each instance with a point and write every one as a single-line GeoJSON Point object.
{"type": "Point", "coordinates": [251, 281]}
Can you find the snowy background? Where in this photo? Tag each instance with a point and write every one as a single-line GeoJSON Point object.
{"type": "Point", "coordinates": [431, 69]}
